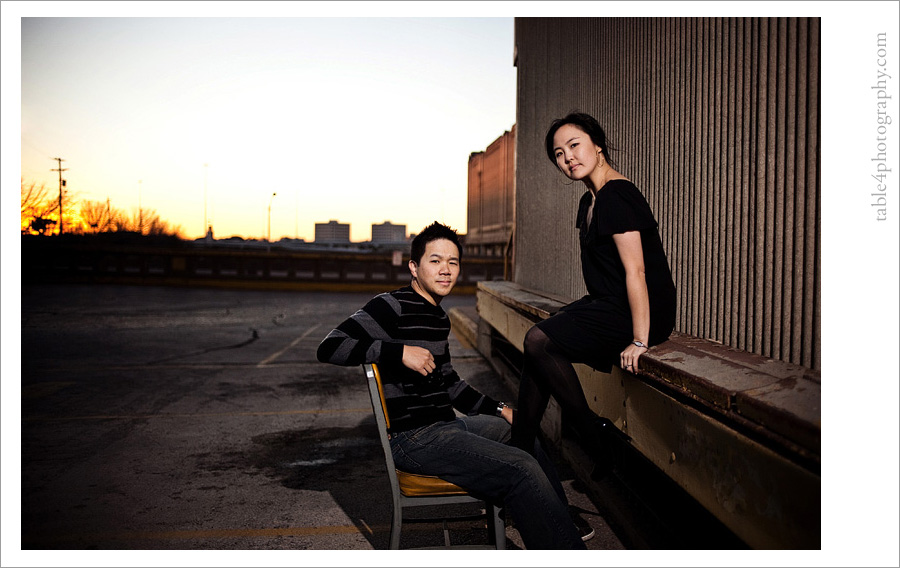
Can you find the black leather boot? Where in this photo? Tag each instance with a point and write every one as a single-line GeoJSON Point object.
{"type": "Point", "coordinates": [604, 446]}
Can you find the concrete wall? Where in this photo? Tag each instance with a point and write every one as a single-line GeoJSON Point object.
{"type": "Point", "coordinates": [717, 122]}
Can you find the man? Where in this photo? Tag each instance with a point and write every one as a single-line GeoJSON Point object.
{"type": "Point", "coordinates": [406, 332]}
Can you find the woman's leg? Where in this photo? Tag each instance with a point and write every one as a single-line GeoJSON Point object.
{"type": "Point", "coordinates": [548, 372]}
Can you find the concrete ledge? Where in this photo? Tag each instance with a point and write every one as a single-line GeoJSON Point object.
{"type": "Point", "coordinates": [739, 432]}
{"type": "Point", "coordinates": [780, 397]}
{"type": "Point", "coordinates": [464, 323]}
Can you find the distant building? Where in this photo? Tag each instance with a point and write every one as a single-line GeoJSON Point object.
{"type": "Point", "coordinates": [388, 232]}
{"type": "Point", "coordinates": [492, 197]}
{"type": "Point", "coordinates": [332, 232]}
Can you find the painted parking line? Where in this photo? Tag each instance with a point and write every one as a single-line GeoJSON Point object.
{"type": "Point", "coordinates": [73, 369]}
{"type": "Point", "coordinates": [201, 534]}
{"type": "Point", "coordinates": [238, 533]}
{"type": "Point", "coordinates": [197, 415]}
{"type": "Point", "coordinates": [278, 354]}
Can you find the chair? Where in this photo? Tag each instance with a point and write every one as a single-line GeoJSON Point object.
{"type": "Point", "coordinates": [411, 490]}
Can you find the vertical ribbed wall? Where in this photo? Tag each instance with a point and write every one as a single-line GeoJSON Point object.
{"type": "Point", "coordinates": [716, 121]}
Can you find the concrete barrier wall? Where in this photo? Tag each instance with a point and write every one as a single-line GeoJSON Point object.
{"type": "Point", "coordinates": [49, 260]}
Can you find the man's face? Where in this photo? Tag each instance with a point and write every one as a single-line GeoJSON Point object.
{"type": "Point", "coordinates": [435, 276]}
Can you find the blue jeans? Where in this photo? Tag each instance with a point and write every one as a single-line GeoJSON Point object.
{"type": "Point", "coordinates": [472, 452]}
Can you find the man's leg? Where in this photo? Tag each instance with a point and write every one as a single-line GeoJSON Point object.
{"type": "Point", "coordinates": [471, 453]}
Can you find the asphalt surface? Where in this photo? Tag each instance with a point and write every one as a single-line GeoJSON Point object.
{"type": "Point", "coordinates": [200, 420]}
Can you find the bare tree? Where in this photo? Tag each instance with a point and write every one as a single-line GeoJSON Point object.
{"type": "Point", "coordinates": [118, 220]}
{"type": "Point", "coordinates": [37, 207]}
{"type": "Point", "coordinates": [148, 222]}
{"type": "Point", "coordinates": [137, 220]}
{"type": "Point", "coordinates": [95, 215]}
{"type": "Point", "coordinates": [156, 226]}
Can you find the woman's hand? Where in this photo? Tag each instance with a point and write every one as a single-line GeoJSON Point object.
{"type": "Point", "coordinates": [629, 357]}
{"type": "Point", "coordinates": [418, 359]}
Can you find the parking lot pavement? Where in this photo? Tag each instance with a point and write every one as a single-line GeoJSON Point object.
{"type": "Point", "coordinates": [191, 419]}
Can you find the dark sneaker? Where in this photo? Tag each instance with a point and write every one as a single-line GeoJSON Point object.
{"type": "Point", "coordinates": [585, 530]}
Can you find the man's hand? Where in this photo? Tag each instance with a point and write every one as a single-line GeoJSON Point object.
{"type": "Point", "coordinates": [418, 359]}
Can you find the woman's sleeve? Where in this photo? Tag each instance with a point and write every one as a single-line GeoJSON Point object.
{"type": "Point", "coordinates": [622, 208]}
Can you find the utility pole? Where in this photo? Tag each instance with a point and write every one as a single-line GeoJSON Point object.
{"type": "Point", "coordinates": [62, 184]}
{"type": "Point", "coordinates": [269, 229]}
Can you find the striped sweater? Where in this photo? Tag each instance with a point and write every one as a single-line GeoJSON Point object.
{"type": "Point", "coordinates": [377, 334]}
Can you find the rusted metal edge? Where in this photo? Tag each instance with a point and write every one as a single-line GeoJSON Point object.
{"type": "Point", "coordinates": [790, 449]}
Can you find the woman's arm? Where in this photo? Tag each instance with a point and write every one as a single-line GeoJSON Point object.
{"type": "Point", "coordinates": [632, 255]}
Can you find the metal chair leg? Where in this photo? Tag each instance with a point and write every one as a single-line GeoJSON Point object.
{"type": "Point", "coordinates": [499, 528]}
{"type": "Point", "coordinates": [446, 535]}
{"type": "Point", "coordinates": [396, 522]}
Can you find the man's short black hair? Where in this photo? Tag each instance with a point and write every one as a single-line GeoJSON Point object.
{"type": "Point", "coordinates": [430, 233]}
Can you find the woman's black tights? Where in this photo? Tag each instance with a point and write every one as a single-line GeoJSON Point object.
{"type": "Point", "coordinates": [547, 371]}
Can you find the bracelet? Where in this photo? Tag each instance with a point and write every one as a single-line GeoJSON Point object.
{"type": "Point", "coordinates": [642, 344]}
{"type": "Point", "coordinates": [500, 407]}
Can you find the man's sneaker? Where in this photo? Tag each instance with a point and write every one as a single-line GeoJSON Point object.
{"type": "Point", "coordinates": [585, 530]}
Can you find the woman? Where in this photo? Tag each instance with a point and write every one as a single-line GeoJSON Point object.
{"type": "Point", "coordinates": [630, 304]}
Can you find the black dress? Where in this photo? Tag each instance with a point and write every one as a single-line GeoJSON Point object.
{"type": "Point", "coordinates": [597, 328]}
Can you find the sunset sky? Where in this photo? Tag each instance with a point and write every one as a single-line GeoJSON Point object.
{"type": "Point", "coordinates": [360, 120]}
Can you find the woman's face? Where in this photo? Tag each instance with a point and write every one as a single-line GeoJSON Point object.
{"type": "Point", "coordinates": [576, 154]}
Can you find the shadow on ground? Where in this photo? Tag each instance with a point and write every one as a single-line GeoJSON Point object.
{"type": "Point", "coordinates": [348, 464]}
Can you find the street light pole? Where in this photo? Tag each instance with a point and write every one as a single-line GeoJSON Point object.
{"type": "Point", "coordinates": [140, 208]}
{"type": "Point", "coordinates": [205, 216]}
{"type": "Point", "coordinates": [269, 229]}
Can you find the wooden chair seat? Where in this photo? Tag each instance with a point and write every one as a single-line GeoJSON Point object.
{"type": "Point", "coordinates": [414, 485]}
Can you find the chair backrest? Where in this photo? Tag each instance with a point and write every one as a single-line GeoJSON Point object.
{"type": "Point", "coordinates": [376, 394]}
{"type": "Point", "coordinates": [377, 376]}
